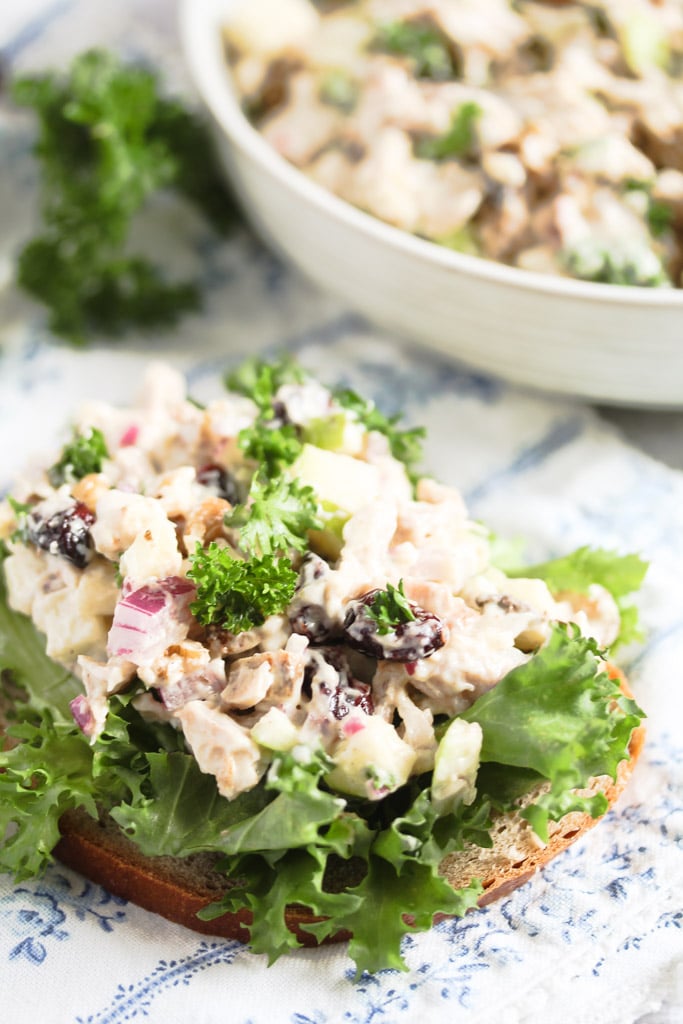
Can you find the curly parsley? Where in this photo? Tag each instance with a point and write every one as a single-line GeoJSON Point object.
{"type": "Point", "coordinates": [238, 595]}
{"type": "Point", "coordinates": [405, 445]}
{"type": "Point", "coordinates": [108, 142]}
{"type": "Point", "coordinates": [268, 442]}
{"type": "Point", "coordinates": [270, 446]}
{"type": "Point", "coordinates": [390, 608]}
{"type": "Point", "coordinates": [278, 516]}
{"type": "Point", "coordinates": [261, 380]}
{"type": "Point", "coordinates": [84, 454]}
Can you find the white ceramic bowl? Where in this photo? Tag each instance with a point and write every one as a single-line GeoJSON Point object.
{"type": "Point", "coordinates": [619, 345]}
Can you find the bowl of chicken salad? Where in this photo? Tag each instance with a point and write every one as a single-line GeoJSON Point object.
{"type": "Point", "coordinates": [500, 181]}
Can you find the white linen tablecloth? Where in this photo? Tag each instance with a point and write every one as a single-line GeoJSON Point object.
{"type": "Point", "coordinates": [597, 937]}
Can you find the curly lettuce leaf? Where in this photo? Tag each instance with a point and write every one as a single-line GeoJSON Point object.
{"type": "Point", "coordinates": [400, 892]}
{"type": "Point", "coordinates": [44, 775]}
{"type": "Point", "coordinates": [50, 767]}
{"type": "Point", "coordinates": [298, 878]}
{"type": "Point", "coordinates": [621, 575]}
{"type": "Point", "coordinates": [183, 812]}
{"type": "Point", "coordinates": [403, 890]}
{"type": "Point", "coordinates": [395, 904]}
{"type": "Point", "coordinates": [561, 715]}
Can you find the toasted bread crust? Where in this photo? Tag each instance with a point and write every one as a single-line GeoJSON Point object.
{"type": "Point", "coordinates": [178, 889]}
{"type": "Point", "coordinates": [175, 889]}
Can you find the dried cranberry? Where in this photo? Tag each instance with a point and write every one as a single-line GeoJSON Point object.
{"type": "Point", "coordinates": [65, 533]}
{"type": "Point", "coordinates": [344, 698]}
{"type": "Point", "coordinates": [328, 673]}
{"type": "Point", "coordinates": [220, 481]}
{"type": "Point", "coordinates": [407, 641]}
{"type": "Point", "coordinates": [307, 613]}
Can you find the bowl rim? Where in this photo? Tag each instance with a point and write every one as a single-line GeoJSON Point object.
{"type": "Point", "coordinates": [199, 23]}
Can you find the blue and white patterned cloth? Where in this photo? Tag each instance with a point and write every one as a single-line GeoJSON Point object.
{"type": "Point", "coordinates": [597, 937]}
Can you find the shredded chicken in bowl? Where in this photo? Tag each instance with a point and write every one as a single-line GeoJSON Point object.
{"type": "Point", "coordinates": [548, 136]}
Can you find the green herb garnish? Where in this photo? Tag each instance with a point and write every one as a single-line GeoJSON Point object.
{"type": "Point", "coordinates": [606, 267]}
{"type": "Point", "coordinates": [659, 214]}
{"type": "Point", "coordinates": [389, 608]}
{"type": "Point", "coordinates": [427, 47]}
{"type": "Point", "coordinates": [82, 455]}
{"type": "Point", "coordinates": [277, 517]}
{"type": "Point", "coordinates": [405, 445]}
{"type": "Point", "coordinates": [108, 142]}
{"type": "Point", "coordinates": [21, 510]}
{"type": "Point", "coordinates": [237, 595]}
{"type": "Point", "coordinates": [267, 442]}
{"type": "Point", "coordinates": [659, 217]}
{"type": "Point", "coordinates": [459, 141]}
{"type": "Point", "coordinates": [271, 447]}
{"type": "Point", "coordinates": [260, 380]}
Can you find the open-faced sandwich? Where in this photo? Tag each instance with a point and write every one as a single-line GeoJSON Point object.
{"type": "Point", "coordinates": [260, 677]}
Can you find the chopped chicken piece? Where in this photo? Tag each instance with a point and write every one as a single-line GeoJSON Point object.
{"type": "Point", "coordinates": [221, 747]}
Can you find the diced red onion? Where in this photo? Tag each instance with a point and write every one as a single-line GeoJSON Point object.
{"type": "Point", "coordinates": [82, 715]}
{"type": "Point", "coordinates": [351, 726]}
{"type": "Point", "coordinates": [148, 619]}
{"type": "Point", "coordinates": [129, 436]}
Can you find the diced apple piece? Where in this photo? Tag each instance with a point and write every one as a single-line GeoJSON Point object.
{"type": "Point", "coordinates": [343, 485]}
{"type": "Point", "coordinates": [275, 731]}
{"type": "Point", "coordinates": [456, 765]}
{"type": "Point", "coordinates": [372, 760]}
{"type": "Point", "coordinates": [339, 480]}
{"type": "Point", "coordinates": [338, 433]}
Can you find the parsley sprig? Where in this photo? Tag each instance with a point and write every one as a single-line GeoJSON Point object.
{"type": "Point", "coordinates": [21, 511]}
{"type": "Point", "coordinates": [267, 442]}
{"type": "Point", "coordinates": [274, 521]}
{"type": "Point", "coordinates": [108, 142]}
{"type": "Point", "coordinates": [82, 455]}
{"type": "Point", "coordinates": [261, 380]}
{"type": "Point", "coordinates": [238, 595]}
{"type": "Point", "coordinates": [270, 446]}
{"type": "Point", "coordinates": [390, 608]}
{"type": "Point", "coordinates": [424, 44]}
{"type": "Point", "coordinates": [459, 141]}
{"type": "Point", "coordinates": [405, 445]}
{"type": "Point", "coordinates": [277, 517]}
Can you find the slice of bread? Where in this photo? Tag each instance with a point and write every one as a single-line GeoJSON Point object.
{"type": "Point", "coordinates": [178, 888]}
